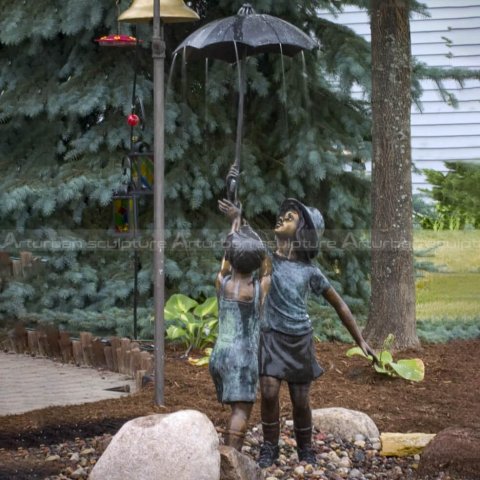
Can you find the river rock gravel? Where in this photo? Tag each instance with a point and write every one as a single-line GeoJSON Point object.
{"type": "Point", "coordinates": [336, 459]}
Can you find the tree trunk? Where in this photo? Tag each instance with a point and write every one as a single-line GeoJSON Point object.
{"type": "Point", "coordinates": [392, 303]}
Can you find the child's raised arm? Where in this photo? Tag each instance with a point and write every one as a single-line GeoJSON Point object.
{"type": "Point", "coordinates": [234, 213]}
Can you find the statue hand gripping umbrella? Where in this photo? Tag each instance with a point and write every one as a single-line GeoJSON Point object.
{"type": "Point", "coordinates": [234, 38]}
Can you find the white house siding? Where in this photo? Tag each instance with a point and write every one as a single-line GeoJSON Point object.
{"type": "Point", "coordinates": [449, 37]}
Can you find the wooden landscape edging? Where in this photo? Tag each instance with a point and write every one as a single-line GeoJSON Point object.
{"type": "Point", "coordinates": [115, 354]}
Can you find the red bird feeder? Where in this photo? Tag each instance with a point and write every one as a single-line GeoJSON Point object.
{"type": "Point", "coordinates": [117, 40]}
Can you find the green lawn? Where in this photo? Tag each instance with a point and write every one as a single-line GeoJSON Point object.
{"type": "Point", "coordinates": [454, 291]}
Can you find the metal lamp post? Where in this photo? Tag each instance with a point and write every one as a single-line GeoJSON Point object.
{"type": "Point", "coordinates": [158, 54]}
{"type": "Point", "coordinates": [170, 11]}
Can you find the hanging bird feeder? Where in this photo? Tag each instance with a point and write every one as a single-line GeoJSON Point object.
{"type": "Point", "coordinates": [117, 39]}
{"type": "Point", "coordinates": [140, 163]}
{"type": "Point", "coordinates": [142, 175]}
{"type": "Point", "coordinates": [125, 215]}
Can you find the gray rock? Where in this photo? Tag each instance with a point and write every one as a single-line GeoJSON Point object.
{"type": "Point", "coordinates": [359, 456]}
{"type": "Point", "coordinates": [397, 470]}
{"type": "Point", "coordinates": [342, 472]}
{"type": "Point", "coordinates": [299, 471]}
{"type": "Point", "coordinates": [309, 469]}
{"type": "Point", "coordinates": [235, 466]}
{"type": "Point", "coordinates": [181, 446]}
{"type": "Point", "coordinates": [344, 423]}
{"type": "Point", "coordinates": [253, 441]}
{"type": "Point", "coordinates": [355, 473]}
{"type": "Point", "coordinates": [331, 457]}
{"type": "Point", "coordinates": [79, 473]}
{"type": "Point", "coordinates": [345, 462]}
{"type": "Point", "coordinates": [52, 458]}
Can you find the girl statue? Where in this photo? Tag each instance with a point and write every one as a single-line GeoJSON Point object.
{"type": "Point", "coordinates": [286, 348]}
{"type": "Point", "coordinates": [234, 361]}
{"type": "Point", "coordinates": [286, 342]}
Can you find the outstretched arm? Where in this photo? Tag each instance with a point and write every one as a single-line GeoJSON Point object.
{"type": "Point", "coordinates": [347, 318]}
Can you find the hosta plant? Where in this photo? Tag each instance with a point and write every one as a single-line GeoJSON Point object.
{"type": "Point", "coordinates": [193, 325]}
{"type": "Point", "coordinates": [410, 369]}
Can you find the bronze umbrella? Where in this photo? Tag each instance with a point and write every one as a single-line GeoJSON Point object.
{"type": "Point", "coordinates": [234, 38]}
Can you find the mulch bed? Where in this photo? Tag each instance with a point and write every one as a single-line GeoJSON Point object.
{"type": "Point", "coordinates": [447, 397]}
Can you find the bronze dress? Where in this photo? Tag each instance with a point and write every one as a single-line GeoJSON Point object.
{"type": "Point", "coordinates": [234, 361]}
{"type": "Point", "coordinates": [286, 340]}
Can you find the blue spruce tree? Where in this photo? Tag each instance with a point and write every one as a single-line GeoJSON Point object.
{"type": "Point", "coordinates": [64, 101]}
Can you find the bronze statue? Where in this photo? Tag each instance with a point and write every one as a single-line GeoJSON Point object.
{"type": "Point", "coordinates": [286, 349]}
{"type": "Point", "coordinates": [286, 341]}
{"type": "Point", "coordinates": [234, 361]}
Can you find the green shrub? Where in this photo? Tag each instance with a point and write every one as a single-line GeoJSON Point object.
{"type": "Point", "coordinates": [457, 195]}
{"type": "Point", "coordinates": [441, 330]}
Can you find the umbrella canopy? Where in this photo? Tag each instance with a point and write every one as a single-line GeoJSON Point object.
{"type": "Point", "coordinates": [247, 33]}
{"type": "Point", "coordinates": [232, 39]}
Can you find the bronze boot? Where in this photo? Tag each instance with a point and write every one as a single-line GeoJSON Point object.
{"type": "Point", "coordinates": [304, 445]}
{"type": "Point", "coordinates": [269, 449]}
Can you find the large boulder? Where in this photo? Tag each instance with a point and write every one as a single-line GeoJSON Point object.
{"type": "Point", "coordinates": [344, 423]}
{"type": "Point", "coordinates": [236, 466]}
{"type": "Point", "coordinates": [180, 446]}
{"type": "Point", "coordinates": [454, 451]}
{"type": "Point", "coordinates": [404, 444]}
